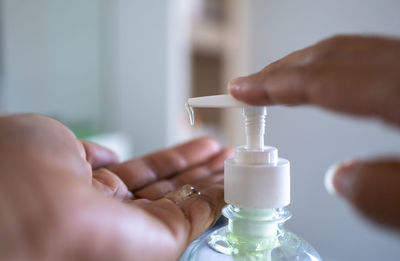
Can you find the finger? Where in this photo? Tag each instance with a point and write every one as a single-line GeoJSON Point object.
{"type": "Point", "coordinates": [269, 87]}
{"type": "Point", "coordinates": [188, 219]}
{"type": "Point", "coordinates": [278, 83]}
{"type": "Point", "coordinates": [336, 74]}
{"type": "Point", "coordinates": [210, 181]}
{"type": "Point", "coordinates": [285, 81]}
{"type": "Point", "coordinates": [372, 187]}
{"type": "Point", "coordinates": [215, 165]}
{"type": "Point", "coordinates": [98, 156]}
{"type": "Point", "coordinates": [138, 173]}
{"type": "Point", "coordinates": [339, 88]}
{"type": "Point", "coordinates": [191, 176]}
{"type": "Point", "coordinates": [110, 184]}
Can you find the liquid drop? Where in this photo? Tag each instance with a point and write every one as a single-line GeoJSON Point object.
{"type": "Point", "coordinates": [190, 111]}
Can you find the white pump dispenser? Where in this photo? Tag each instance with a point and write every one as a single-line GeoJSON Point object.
{"type": "Point", "coordinates": [257, 189]}
{"type": "Point", "coordinates": [255, 177]}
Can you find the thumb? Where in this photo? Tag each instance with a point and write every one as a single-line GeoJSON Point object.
{"type": "Point", "coordinates": [372, 187]}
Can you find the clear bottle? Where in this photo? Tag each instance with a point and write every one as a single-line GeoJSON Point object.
{"type": "Point", "coordinates": [257, 189]}
{"type": "Point", "coordinates": [266, 239]}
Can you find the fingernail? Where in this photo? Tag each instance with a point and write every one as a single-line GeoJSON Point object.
{"type": "Point", "coordinates": [339, 179]}
{"type": "Point", "coordinates": [238, 90]}
{"type": "Point", "coordinates": [328, 180]}
{"type": "Point", "coordinates": [234, 88]}
{"type": "Point", "coordinates": [129, 195]}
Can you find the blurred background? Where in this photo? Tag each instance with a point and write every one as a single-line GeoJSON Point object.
{"type": "Point", "coordinates": [118, 72]}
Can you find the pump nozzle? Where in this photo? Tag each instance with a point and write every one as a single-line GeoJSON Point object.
{"type": "Point", "coordinates": [254, 116]}
{"type": "Point", "coordinates": [215, 101]}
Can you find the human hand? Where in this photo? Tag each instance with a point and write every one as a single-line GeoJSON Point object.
{"type": "Point", "coordinates": [64, 199]}
{"type": "Point", "coordinates": [356, 75]}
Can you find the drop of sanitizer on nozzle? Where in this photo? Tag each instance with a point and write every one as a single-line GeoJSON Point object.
{"type": "Point", "coordinates": [257, 190]}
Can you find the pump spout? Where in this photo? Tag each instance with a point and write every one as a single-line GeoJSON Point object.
{"type": "Point", "coordinates": [254, 116]}
{"type": "Point", "coordinates": [215, 101]}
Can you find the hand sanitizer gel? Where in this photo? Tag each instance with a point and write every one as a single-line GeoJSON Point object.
{"type": "Point", "coordinates": [257, 190]}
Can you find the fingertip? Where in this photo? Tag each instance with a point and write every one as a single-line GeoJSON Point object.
{"type": "Point", "coordinates": [235, 82]}
{"type": "Point", "coordinates": [217, 163]}
{"type": "Point", "coordinates": [339, 178]}
{"type": "Point", "coordinates": [237, 88]}
{"type": "Point", "coordinates": [209, 143]}
{"type": "Point", "coordinates": [328, 180]}
{"type": "Point", "coordinates": [234, 90]}
{"type": "Point", "coordinates": [229, 152]}
{"type": "Point", "coordinates": [250, 89]}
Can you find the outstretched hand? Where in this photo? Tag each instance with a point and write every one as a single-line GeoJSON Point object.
{"type": "Point", "coordinates": [355, 75]}
{"type": "Point", "coordinates": [66, 199]}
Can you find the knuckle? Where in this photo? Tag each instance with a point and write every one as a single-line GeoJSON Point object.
{"type": "Point", "coordinates": [323, 53]}
{"type": "Point", "coordinates": [328, 48]}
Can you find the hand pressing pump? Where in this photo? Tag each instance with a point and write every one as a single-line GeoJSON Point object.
{"type": "Point", "coordinates": [257, 190]}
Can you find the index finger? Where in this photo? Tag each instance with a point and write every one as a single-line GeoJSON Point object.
{"type": "Point", "coordinates": [141, 172]}
{"type": "Point", "coordinates": [337, 74]}
{"type": "Point", "coordinates": [279, 83]}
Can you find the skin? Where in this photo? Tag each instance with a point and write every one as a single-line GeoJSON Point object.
{"type": "Point", "coordinates": [356, 75]}
{"type": "Point", "coordinates": [66, 199]}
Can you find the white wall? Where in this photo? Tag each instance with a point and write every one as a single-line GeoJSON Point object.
{"type": "Point", "coordinates": [134, 70]}
{"type": "Point", "coordinates": [313, 139]}
{"type": "Point", "coordinates": [97, 62]}
{"type": "Point", "coordinates": [50, 58]}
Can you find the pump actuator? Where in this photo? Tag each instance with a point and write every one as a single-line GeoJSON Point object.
{"type": "Point", "coordinates": [256, 177]}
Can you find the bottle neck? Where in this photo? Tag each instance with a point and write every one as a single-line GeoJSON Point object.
{"type": "Point", "coordinates": [250, 223]}
{"type": "Point", "coordinates": [251, 233]}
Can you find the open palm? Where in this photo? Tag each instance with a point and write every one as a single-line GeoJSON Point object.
{"type": "Point", "coordinates": [80, 204]}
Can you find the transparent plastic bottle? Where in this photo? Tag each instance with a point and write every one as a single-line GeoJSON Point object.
{"type": "Point", "coordinates": [253, 235]}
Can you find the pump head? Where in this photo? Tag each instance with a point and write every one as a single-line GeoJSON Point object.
{"type": "Point", "coordinates": [255, 177]}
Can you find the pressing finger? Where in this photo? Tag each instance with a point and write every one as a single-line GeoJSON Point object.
{"type": "Point", "coordinates": [338, 74]}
